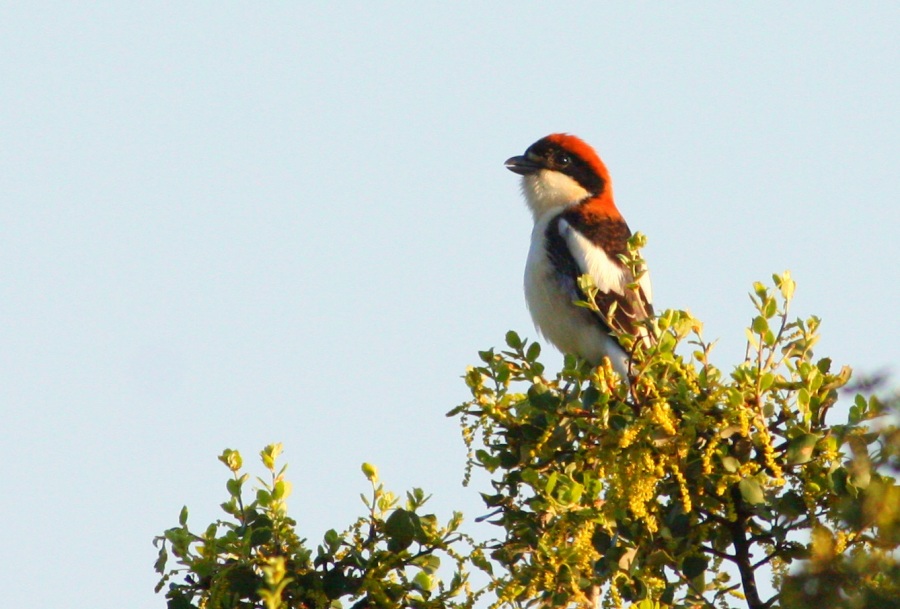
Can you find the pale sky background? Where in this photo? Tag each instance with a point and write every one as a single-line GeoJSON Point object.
{"type": "Point", "coordinates": [226, 225]}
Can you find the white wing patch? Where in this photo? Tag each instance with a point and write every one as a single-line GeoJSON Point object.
{"type": "Point", "coordinates": [608, 275]}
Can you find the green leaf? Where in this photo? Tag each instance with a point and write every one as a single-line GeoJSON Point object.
{"type": "Point", "coordinates": [428, 563]}
{"type": "Point", "coordinates": [370, 472]}
{"type": "Point", "coordinates": [601, 540]}
{"type": "Point", "coordinates": [211, 530]}
{"type": "Point", "coordinates": [860, 475]}
{"type": "Point", "coordinates": [541, 397]}
{"type": "Point", "coordinates": [332, 539]}
{"type": "Point", "coordinates": [428, 527]}
{"type": "Point", "coordinates": [513, 340]}
{"type": "Point", "coordinates": [647, 603]}
{"type": "Point", "coordinates": [232, 459]}
{"type": "Point", "coordinates": [242, 580]}
{"type": "Point", "coordinates": [230, 507]}
{"type": "Point", "coordinates": [838, 480]}
{"type": "Point", "coordinates": [572, 494]}
{"type": "Point", "coordinates": [668, 595]}
{"type": "Point", "coordinates": [183, 516]}
{"type": "Point", "coordinates": [270, 453]}
{"type": "Point", "coordinates": [590, 397]}
{"type": "Point", "coordinates": [160, 565]}
{"type": "Point", "coordinates": [486, 459]}
{"type": "Point", "coordinates": [400, 528]}
{"type": "Point", "coordinates": [692, 566]}
{"type": "Point", "coordinates": [858, 410]}
{"type": "Point", "coordinates": [508, 459]}
{"type": "Point", "coordinates": [787, 285]}
{"type": "Point", "coordinates": [480, 560]}
{"type": "Point", "coordinates": [263, 497]}
{"type": "Point", "coordinates": [618, 422]}
{"type": "Point", "coordinates": [335, 584]}
{"type": "Point", "coordinates": [752, 491]}
{"type": "Point", "coordinates": [422, 581]}
{"type": "Point", "coordinates": [534, 351]}
{"type": "Point", "coordinates": [666, 343]}
{"type": "Point", "coordinates": [179, 602]}
{"type": "Point", "coordinates": [280, 490]}
{"type": "Point", "coordinates": [530, 476]}
{"type": "Point", "coordinates": [791, 505]}
{"type": "Point", "coordinates": [800, 449]}
{"type": "Point", "coordinates": [551, 483]}
{"type": "Point", "coordinates": [260, 536]}
{"type": "Point", "coordinates": [731, 464]}
{"type": "Point", "coordinates": [760, 325]}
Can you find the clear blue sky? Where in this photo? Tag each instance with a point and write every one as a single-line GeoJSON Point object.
{"type": "Point", "coordinates": [225, 225]}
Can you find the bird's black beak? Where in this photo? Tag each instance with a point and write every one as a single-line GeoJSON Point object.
{"type": "Point", "coordinates": [522, 165]}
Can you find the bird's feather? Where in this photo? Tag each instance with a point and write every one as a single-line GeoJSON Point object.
{"type": "Point", "coordinates": [578, 245]}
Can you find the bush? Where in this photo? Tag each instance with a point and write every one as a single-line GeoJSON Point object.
{"type": "Point", "coordinates": [606, 492]}
{"type": "Point", "coordinates": [255, 558]}
{"type": "Point", "coordinates": [641, 492]}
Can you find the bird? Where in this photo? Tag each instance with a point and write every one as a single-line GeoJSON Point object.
{"type": "Point", "coordinates": [579, 230]}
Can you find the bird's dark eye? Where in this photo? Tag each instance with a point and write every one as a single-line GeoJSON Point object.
{"type": "Point", "coordinates": [563, 159]}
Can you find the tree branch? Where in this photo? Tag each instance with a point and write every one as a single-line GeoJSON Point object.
{"type": "Point", "coordinates": [715, 552]}
{"type": "Point", "coordinates": [742, 556]}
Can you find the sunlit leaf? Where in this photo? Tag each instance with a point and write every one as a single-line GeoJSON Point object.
{"type": "Point", "coordinates": [800, 449]}
{"type": "Point", "coordinates": [752, 491]}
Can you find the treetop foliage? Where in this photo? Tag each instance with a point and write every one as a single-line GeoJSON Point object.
{"type": "Point", "coordinates": [389, 557]}
{"type": "Point", "coordinates": [604, 491]}
{"type": "Point", "coordinates": [643, 491]}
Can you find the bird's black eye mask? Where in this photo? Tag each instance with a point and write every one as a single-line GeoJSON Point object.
{"type": "Point", "coordinates": [555, 158]}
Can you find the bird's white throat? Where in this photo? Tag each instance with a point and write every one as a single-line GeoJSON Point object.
{"type": "Point", "coordinates": [546, 189]}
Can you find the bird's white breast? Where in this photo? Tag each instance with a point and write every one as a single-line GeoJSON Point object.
{"type": "Point", "coordinates": [550, 299]}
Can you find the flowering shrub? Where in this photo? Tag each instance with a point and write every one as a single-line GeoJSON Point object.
{"type": "Point", "coordinates": [606, 491]}
{"type": "Point", "coordinates": [641, 491]}
{"type": "Point", "coordinates": [254, 558]}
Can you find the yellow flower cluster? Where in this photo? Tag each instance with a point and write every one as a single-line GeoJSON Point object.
{"type": "Point", "coordinates": [606, 378]}
{"type": "Point", "coordinates": [614, 598]}
{"type": "Point", "coordinates": [708, 453]}
{"type": "Point", "coordinates": [730, 512]}
{"type": "Point", "coordinates": [750, 468]}
{"type": "Point", "coordinates": [682, 485]}
{"type": "Point", "coordinates": [744, 422]}
{"type": "Point", "coordinates": [584, 550]}
{"type": "Point", "coordinates": [840, 543]}
{"type": "Point", "coordinates": [724, 483]}
{"type": "Point", "coordinates": [540, 444]}
{"type": "Point", "coordinates": [829, 452]}
{"type": "Point", "coordinates": [809, 494]}
{"type": "Point", "coordinates": [629, 435]}
{"type": "Point", "coordinates": [688, 374]}
{"type": "Point", "coordinates": [542, 572]}
{"type": "Point", "coordinates": [662, 416]}
{"type": "Point", "coordinates": [637, 481]}
{"type": "Point", "coordinates": [769, 455]}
